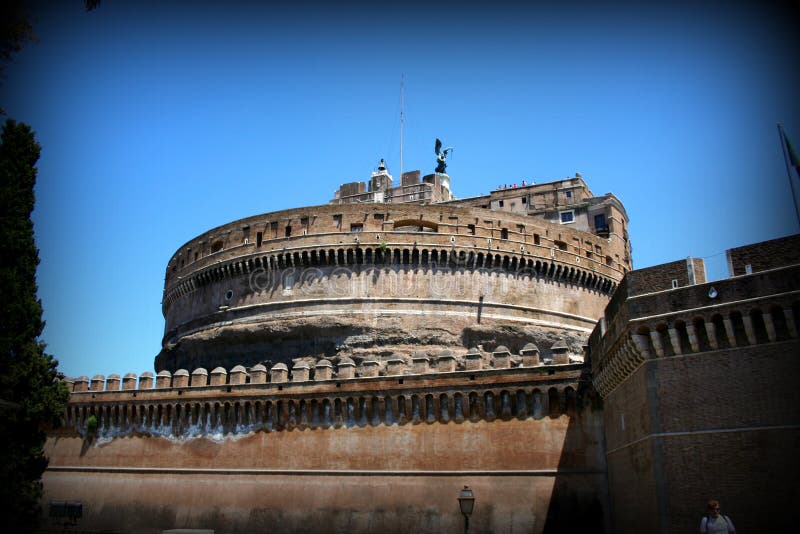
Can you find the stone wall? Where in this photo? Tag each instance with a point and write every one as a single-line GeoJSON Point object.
{"type": "Point", "coordinates": [380, 274]}
{"type": "Point", "coordinates": [667, 276]}
{"type": "Point", "coordinates": [722, 424]}
{"type": "Point", "coordinates": [390, 455]}
{"type": "Point", "coordinates": [764, 256]}
{"type": "Point", "coordinates": [700, 401]}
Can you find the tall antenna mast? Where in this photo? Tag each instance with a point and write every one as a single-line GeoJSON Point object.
{"type": "Point", "coordinates": [401, 128]}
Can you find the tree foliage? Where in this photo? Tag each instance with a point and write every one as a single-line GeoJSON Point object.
{"type": "Point", "coordinates": [31, 398]}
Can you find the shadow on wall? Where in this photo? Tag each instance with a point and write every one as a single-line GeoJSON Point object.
{"type": "Point", "coordinates": [580, 501]}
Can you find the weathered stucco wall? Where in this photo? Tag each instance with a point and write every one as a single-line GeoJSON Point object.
{"type": "Point", "coordinates": [529, 475]}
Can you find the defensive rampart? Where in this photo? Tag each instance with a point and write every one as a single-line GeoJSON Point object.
{"type": "Point", "coordinates": [700, 400]}
{"type": "Point", "coordinates": [245, 450]}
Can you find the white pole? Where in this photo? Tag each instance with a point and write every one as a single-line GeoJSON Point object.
{"type": "Point", "coordinates": [401, 129]}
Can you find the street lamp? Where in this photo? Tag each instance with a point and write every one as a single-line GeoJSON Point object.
{"type": "Point", "coordinates": [467, 502]}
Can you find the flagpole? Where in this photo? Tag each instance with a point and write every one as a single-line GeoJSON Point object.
{"type": "Point", "coordinates": [782, 136]}
{"type": "Point", "coordinates": [402, 80]}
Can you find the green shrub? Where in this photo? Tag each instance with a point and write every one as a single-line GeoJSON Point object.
{"type": "Point", "coordinates": [91, 425]}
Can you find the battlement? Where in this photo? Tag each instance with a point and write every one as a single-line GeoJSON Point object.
{"type": "Point", "coordinates": [323, 370]}
{"type": "Point", "coordinates": [745, 311]}
{"type": "Point", "coordinates": [490, 386]}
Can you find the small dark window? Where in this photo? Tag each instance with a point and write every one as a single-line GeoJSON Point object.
{"type": "Point", "coordinates": [337, 221]}
{"type": "Point", "coordinates": [600, 223]}
{"type": "Point", "coordinates": [259, 238]}
{"type": "Point", "coordinates": [567, 216]}
{"type": "Point", "coordinates": [288, 231]}
{"type": "Point", "coordinates": [304, 221]}
{"type": "Point", "coordinates": [356, 227]}
{"type": "Point", "coordinates": [216, 246]}
{"type": "Point", "coordinates": [504, 233]}
{"type": "Point", "coordinates": [536, 239]}
{"type": "Point", "coordinates": [229, 294]}
{"type": "Point", "coordinates": [560, 244]}
{"type": "Point", "coordinates": [195, 255]}
{"type": "Point", "coordinates": [500, 203]}
{"type": "Point", "coordinates": [524, 200]}
{"type": "Point", "coordinates": [471, 229]}
{"type": "Point", "coordinates": [569, 194]}
{"type": "Point", "coordinates": [378, 216]}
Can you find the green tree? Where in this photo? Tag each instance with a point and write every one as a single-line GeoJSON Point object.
{"type": "Point", "coordinates": [31, 398]}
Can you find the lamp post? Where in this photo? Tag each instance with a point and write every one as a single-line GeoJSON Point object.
{"type": "Point", "coordinates": [466, 501]}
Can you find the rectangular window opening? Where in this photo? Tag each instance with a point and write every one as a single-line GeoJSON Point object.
{"type": "Point", "coordinates": [600, 224]}
{"type": "Point", "coordinates": [567, 216]}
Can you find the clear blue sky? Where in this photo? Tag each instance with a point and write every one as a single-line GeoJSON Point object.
{"type": "Point", "coordinates": [159, 121]}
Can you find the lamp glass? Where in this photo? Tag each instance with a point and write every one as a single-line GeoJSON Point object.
{"type": "Point", "coordinates": [466, 501]}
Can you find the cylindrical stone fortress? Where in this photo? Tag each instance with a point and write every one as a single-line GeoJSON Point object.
{"type": "Point", "coordinates": [372, 279]}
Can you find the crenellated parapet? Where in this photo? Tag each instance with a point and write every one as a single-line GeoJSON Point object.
{"type": "Point", "coordinates": [243, 400]}
{"type": "Point", "coordinates": [740, 312]}
{"type": "Point", "coordinates": [323, 370]}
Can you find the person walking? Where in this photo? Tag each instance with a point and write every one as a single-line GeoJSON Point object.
{"type": "Point", "coordinates": [714, 522]}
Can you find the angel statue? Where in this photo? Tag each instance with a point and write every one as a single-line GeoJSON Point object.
{"type": "Point", "coordinates": [441, 157]}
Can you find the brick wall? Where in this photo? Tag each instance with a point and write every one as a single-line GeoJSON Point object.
{"type": "Point", "coordinates": [660, 277]}
{"type": "Point", "coordinates": [764, 255]}
{"type": "Point", "coordinates": [722, 424]}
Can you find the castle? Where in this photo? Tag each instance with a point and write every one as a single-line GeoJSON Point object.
{"type": "Point", "coordinates": [350, 367]}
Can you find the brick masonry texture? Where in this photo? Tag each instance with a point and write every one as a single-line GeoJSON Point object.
{"type": "Point", "coordinates": [763, 256]}
{"type": "Point", "coordinates": [694, 423]}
